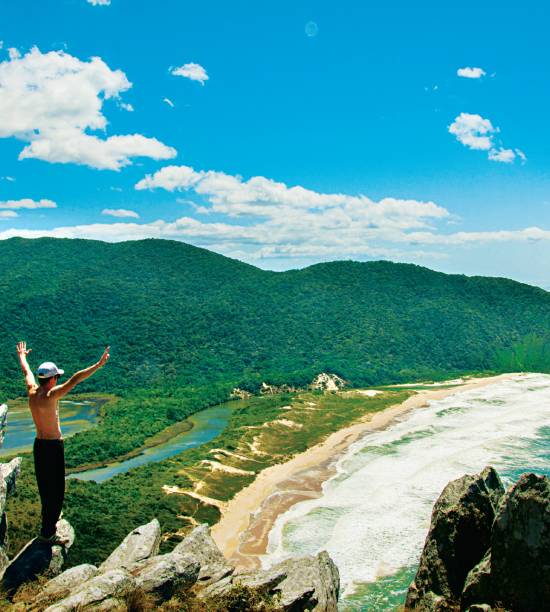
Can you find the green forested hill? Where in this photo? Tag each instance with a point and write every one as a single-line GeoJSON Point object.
{"type": "Point", "coordinates": [177, 314]}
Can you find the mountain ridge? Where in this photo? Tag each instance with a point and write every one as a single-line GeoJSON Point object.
{"type": "Point", "coordinates": [178, 314]}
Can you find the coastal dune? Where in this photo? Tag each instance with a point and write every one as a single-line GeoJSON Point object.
{"type": "Point", "coordinates": [243, 530]}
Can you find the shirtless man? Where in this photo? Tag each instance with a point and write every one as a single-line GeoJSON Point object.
{"type": "Point", "coordinates": [49, 452]}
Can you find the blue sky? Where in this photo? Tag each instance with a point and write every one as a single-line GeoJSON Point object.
{"type": "Point", "coordinates": [366, 141]}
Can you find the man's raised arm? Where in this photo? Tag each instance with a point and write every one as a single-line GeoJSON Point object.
{"type": "Point", "coordinates": [22, 353]}
{"type": "Point", "coordinates": [77, 378]}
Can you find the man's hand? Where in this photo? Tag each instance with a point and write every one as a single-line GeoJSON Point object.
{"type": "Point", "coordinates": [22, 349]}
{"type": "Point", "coordinates": [61, 390]}
{"type": "Point", "coordinates": [104, 357]}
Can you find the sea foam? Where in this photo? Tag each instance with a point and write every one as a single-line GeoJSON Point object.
{"type": "Point", "coordinates": [374, 514]}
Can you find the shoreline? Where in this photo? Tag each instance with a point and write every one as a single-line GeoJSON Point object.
{"type": "Point", "coordinates": [247, 519]}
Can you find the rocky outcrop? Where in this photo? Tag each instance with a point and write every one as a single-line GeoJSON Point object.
{"type": "Point", "coordinates": [520, 546]}
{"type": "Point", "coordinates": [200, 546]}
{"type": "Point", "coordinates": [459, 536]}
{"type": "Point", "coordinates": [300, 583]}
{"type": "Point", "coordinates": [61, 585]}
{"type": "Point", "coordinates": [140, 544]}
{"type": "Point", "coordinates": [485, 548]}
{"type": "Point", "coordinates": [266, 389]}
{"type": "Point", "coordinates": [195, 566]}
{"type": "Point", "coordinates": [327, 382]}
{"type": "Point", "coordinates": [8, 474]}
{"type": "Point", "coordinates": [237, 393]}
{"type": "Point", "coordinates": [309, 583]}
{"type": "Point", "coordinates": [477, 586]}
{"type": "Point", "coordinates": [38, 558]}
{"type": "Point", "coordinates": [3, 422]}
{"type": "Point", "coordinates": [112, 585]}
{"type": "Point", "coordinates": [166, 574]}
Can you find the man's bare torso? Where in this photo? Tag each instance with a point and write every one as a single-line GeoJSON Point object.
{"type": "Point", "coordinates": [45, 414]}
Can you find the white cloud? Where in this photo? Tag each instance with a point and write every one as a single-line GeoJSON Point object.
{"type": "Point", "coordinates": [521, 155]}
{"type": "Point", "coordinates": [51, 100]}
{"type": "Point", "coordinates": [10, 179]}
{"type": "Point", "coordinates": [473, 131]}
{"type": "Point", "coordinates": [14, 53]}
{"type": "Point", "coordinates": [477, 133]}
{"type": "Point", "coordinates": [7, 214]}
{"type": "Point", "coordinates": [169, 102]}
{"type": "Point", "coordinates": [120, 212]}
{"type": "Point", "coordinates": [27, 203]}
{"type": "Point", "coordinates": [264, 198]}
{"type": "Point", "coordinates": [283, 221]}
{"type": "Point", "coordinates": [192, 71]}
{"type": "Point", "coordinates": [260, 218]}
{"type": "Point", "coordinates": [506, 156]}
{"type": "Point", "coordinates": [127, 107]}
{"type": "Point", "coordinates": [529, 234]}
{"type": "Point", "coordinates": [99, 2]}
{"type": "Point", "coordinates": [471, 73]}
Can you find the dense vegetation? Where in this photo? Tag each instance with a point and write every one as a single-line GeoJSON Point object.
{"type": "Point", "coordinates": [127, 423]}
{"type": "Point", "coordinates": [103, 514]}
{"type": "Point", "coordinates": [177, 315]}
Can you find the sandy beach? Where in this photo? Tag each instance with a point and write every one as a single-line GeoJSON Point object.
{"type": "Point", "coordinates": [242, 532]}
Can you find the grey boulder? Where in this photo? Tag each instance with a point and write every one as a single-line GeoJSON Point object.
{"type": "Point", "coordinates": [108, 586]}
{"type": "Point", "coordinates": [311, 583]}
{"type": "Point", "coordinates": [70, 579]}
{"type": "Point", "coordinates": [200, 546]}
{"type": "Point", "coordinates": [165, 574]}
{"type": "Point", "coordinates": [138, 545]}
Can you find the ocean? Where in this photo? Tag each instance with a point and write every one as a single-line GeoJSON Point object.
{"type": "Point", "coordinates": [374, 514]}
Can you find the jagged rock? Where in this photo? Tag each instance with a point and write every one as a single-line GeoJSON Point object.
{"type": "Point", "coordinates": [311, 583]}
{"type": "Point", "coordinates": [266, 389]}
{"type": "Point", "coordinates": [61, 585]}
{"type": "Point", "coordinates": [477, 587]}
{"type": "Point", "coordinates": [237, 393]}
{"type": "Point", "coordinates": [106, 588]}
{"type": "Point", "coordinates": [4, 560]}
{"type": "Point", "coordinates": [38, 558]}
{"type": "Point", "coordinates": [200, 546]}
{"type": "Point", "coordinates": [520, 544]}
{"type": "Point", "coordinates": [3, 421]}
{"type": "Point", "coordinates": [302, 583]}
{"type": "Point", "coordinates": [459, 536]}
{"type": "Point", "coordinates": [263, 581]}
{"type": "Point", "coordinates": [138, 545]}
{"type": "Point", "coordinates": [165, 574]}
{"type": "Point", "coordinates": [8, 475]}
{"type": "Point", "coordinates": [327, 382]}
{"type": "Point", "coordinates": [480, 608]}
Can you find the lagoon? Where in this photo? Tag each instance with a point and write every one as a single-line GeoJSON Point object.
{"type": "Point", "coordinates": [75, 416]}
{"type": "Point", "coordinates": [207, 424]}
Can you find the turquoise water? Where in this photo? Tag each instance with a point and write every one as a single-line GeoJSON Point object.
{"type": "Point", "coordinates": [207, 424]}
{"type": "Point", "coordinates": [20, 432]}
{"type": "Point", "coordinates": [374, 514]}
